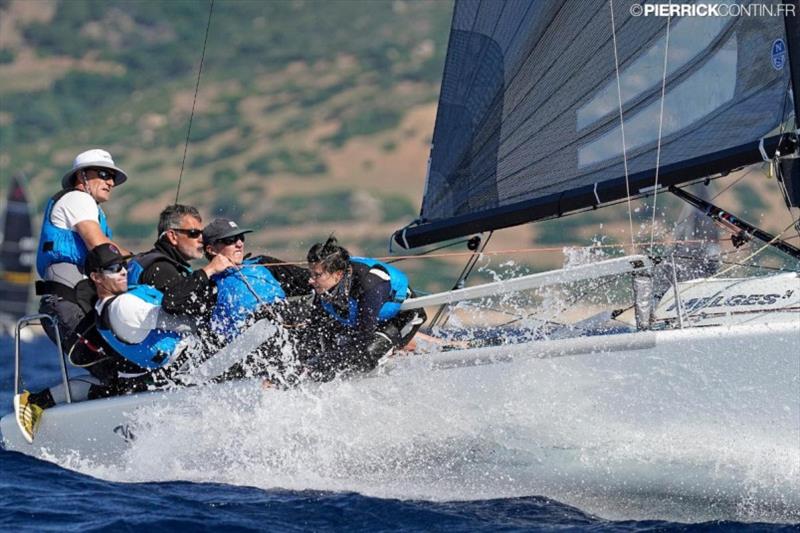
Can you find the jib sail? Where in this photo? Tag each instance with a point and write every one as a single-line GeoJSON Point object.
{"type": "Point", "coordinates": [528, 125]}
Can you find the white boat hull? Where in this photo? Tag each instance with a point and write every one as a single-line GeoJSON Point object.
{"type": "Point", "coordinates": [692, 424]}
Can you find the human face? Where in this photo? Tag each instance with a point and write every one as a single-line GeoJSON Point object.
{"type": "Point", "coordinates": [111, 281]}
{"type": "Point", "coordinates": [321, 280]}
{"type": "Point", "coordinates": [230, 247]}
{"type": "Point", "coordinates": [188, 238]}
{"type": "Point", "coordinates": [98, 182]}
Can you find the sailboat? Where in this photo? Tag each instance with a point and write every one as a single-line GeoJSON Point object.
{"type": "Point", "coordinates": [548, 109]}
{"type": "Point", "coordinates": [17, 255]}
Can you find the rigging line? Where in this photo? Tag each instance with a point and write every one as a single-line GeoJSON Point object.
{"type": "Point", "coordinates": [494, 252]}
{"type": "Point", "coordinates": [751, 265]}
{"type": "Point", "coordinates": [660, 129]}
{"type": "Point", "coordinates": [194, 102]}
{"type": "Point", "coordinates": [569, 301]}
{"type": "Point", "coordinates": [622, 125]}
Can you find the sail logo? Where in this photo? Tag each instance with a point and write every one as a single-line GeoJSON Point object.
{"type": "Point", "coordinates": [732, 301]}
{"type": "Point", "coordinates": [125, 431]}
{"type": "Point", "coordinates": [778, 54]}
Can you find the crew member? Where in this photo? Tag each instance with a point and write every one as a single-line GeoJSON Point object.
{"type": "Point", "coordinates": [359, 318]}
{"type": "Point", "coordinates": [242, 289]}
{"type": "Point", "coordinates": [73, 223]}
{"type": "Point", "coordinates": [139, 342]}
{"type": "Point", "coordinates": [166, 266]}
{"type": "Point", "coordinates": [248, 292]}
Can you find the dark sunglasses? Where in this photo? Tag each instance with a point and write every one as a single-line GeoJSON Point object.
{"type": "Point", "coordinates": [116, 268]}
{"type": "Point", "coordinates": [191, 233]}
{"type": "Point", "coordinates": [227, 241]}
{"type": "Point", "coordinates": [104, 174]}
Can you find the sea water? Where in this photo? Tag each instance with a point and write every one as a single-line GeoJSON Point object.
{"type": "Point", "coordinates": [421, 450]}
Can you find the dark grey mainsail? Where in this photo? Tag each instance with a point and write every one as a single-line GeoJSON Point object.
{"type": "Point", "coordinates": [528, 125]}
{"type": "Point", "coordinates": [17, 254]}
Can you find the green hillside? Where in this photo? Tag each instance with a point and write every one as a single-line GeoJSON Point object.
{"type": "Point", "coordinates": [285, 86]}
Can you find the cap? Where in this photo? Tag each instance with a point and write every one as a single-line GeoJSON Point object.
{"type": "Point", "coordinates": [221, 228]}
{"type": "Point", "coordinates": [103, 256]}
{"type": "Point", "coordinates": [94, 158]}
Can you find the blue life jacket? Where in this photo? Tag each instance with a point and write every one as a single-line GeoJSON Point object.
{"type": "Point", "coordinates": [156, 349]}
{"type": "Point", "coordinates": [141, 262]}
{"type": "Point", "coordinates": [59, 245]}
{"type": "Point", "coordinates": [240, 291]}
{"type": "Point", "coordinates": [398, 282]}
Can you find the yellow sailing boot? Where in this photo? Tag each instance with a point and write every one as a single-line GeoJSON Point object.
{"type": "Point", "coordinates": [28, 415]}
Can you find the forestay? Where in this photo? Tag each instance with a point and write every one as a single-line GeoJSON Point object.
{"type": "Point", "coordinates": [528, 124]}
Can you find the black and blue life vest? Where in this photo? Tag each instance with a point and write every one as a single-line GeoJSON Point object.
{"type": "Point", "coordinates": [156, 349]}
{"type": "Point", "coordinates": [59, 245]}
{"type": "Point", "coordinates": [141, 262]}
{"type": "Point", "coordinates": [398, 282]}
{"type": "Point", "coordinates": [240, 291]}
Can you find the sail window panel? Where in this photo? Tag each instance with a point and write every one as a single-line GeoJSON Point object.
{"type": "Point", "coordinates": [706, 90]}
{"type": "Point", "coordinates": [689, 38]}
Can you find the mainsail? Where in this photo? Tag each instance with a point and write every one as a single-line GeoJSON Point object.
{"type": "Point", "coordinates": [528, 125]}
{"type": "Point", "coordinates": [17, 254]}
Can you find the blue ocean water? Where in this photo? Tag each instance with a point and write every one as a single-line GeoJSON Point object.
{"type": "Point", "coordinates": [37, 495]}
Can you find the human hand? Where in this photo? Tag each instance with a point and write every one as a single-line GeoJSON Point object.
{"type": "Point", "coordinates": [217, 264]}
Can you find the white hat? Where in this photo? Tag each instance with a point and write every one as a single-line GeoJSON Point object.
{"type": "Point", "coordinates": [93, 158]}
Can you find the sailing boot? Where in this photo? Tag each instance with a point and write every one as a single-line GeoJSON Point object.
{"type": "Point", "coordinates": [28, 415]}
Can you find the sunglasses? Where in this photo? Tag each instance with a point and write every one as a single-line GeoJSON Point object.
{"type": "Point", "coordinates": [227, 241]}
{"type": "Point", "coordinates": [116, 268]}
{"type": "Point", "coordinates": [104, 174]}
{"type": "Point", "coordinates": [191, 233]}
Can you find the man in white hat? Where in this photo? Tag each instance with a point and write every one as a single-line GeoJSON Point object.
{"type": "Point", "coordinates": [73, 223]}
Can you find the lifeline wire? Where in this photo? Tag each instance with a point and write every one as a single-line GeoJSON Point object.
{"type": "Point", "coordinates": [622, 124]}
{"type": "Point", "coordinates": [196, 89]}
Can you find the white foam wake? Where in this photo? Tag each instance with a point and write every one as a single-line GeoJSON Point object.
{"type": "Point", "coordinates": [689, 436]}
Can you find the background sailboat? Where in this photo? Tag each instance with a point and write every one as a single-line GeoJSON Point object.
{"type": "Point", "coordinates": [17, 255]}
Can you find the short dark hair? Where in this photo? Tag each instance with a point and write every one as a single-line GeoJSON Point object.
{"type": "Point", "coordinates": [330, 255]}
{"type": "Point", "coordinates": [171, 216]}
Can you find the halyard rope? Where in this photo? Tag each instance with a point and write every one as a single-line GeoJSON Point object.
{"type": "Point", "coordinates": [660, 129]}
{"type": "Point", "coordinates": [622, 124]}
{"type": "Point", "coordinates": [194, 102]}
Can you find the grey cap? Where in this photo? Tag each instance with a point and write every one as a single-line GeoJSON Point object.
{"type": "Point", "coordinates": [94, 158]}
{"type": "Point", "coordinates": [221, 228]}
